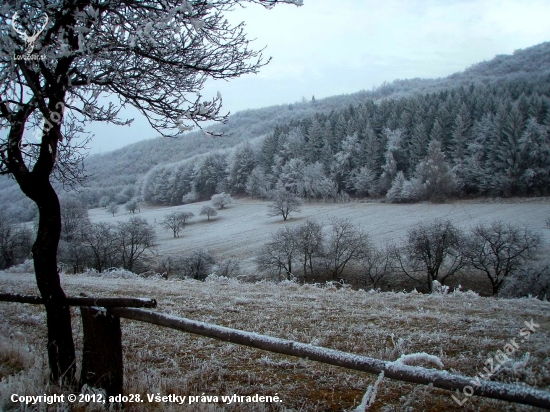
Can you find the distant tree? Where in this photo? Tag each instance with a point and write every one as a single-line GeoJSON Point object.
{"type": "Point", "coordinates": [257, 184]}
{"type": "Point", "coordinates": [196, 266]}
{"type": "Point", "coordinates": [278, 254]}
{"type": "Point", "coordinates": [345, 244]}
{"type": "Point", "coordinates": [395, 193]}
{"type": "Point", "coordinates": [208, 211]}
{"type": "Point", "coordinates": [228, 268]}
{"type": "Point", "coordinates": [221, 200]}
{"type": "Point", "coordinates": [15, 242]}
{"type": "Point", "coordinates": [134, 239]}
{"type": "Point", "coordinates": [434, 174]}
{"type": "Point", "coordinates": [376, 265]}
{"type": "Point", "coordinates": [176, 221]}
{"type": "Point", "coordinates": [131, 206]}
{"type": "Point", "coordinates": [101, 242]}
{"type": "Point", "coordinates": [104, 202]}
{"type": "Point", "coordinates": [308, 242]}
{"type": "Point", "coordinates": [243, 161]}
{"type": "Point", "coordinates": [499, 250]}
{"type": "Point", "coordinates": [283, 203]}
{"type": "Point", "coordinates": [112, 208]}
{"type": "Point", "coordinates": [432, 251]}
{"type": "Point", "coordinates": [74, 218]}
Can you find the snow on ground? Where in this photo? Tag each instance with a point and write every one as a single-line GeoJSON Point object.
{"type": "Point", "coordinates": [461, 329]}
{"type": "Point", "coordinates": [243, 226]}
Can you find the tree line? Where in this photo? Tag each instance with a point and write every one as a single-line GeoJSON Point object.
{"type": "Point", "coordinates": [435, 251]}
{"type": "Point", "coordinates": [481, 140]}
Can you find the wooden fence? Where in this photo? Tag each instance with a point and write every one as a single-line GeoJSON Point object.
{"type": "Point", "coordinates": [102, 365]}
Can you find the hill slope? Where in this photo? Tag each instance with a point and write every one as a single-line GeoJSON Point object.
{"type": "Point", "coordinates": [116, 172]}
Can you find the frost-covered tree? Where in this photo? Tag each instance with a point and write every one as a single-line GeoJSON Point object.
{"type": "Point", "coordinates": [257, 184]}
{"type": "Point", "coordinates": [131, 206]}
{"type": "Point", "coordinates": [152, 55]}
{"type": "Point", "coordinates": [100, 240]}
{"type": "Point", "coordinates": [432, 251]}
{"type": "Point", "coordinates": [395, 193]}
{"type": "Point", "coordinates": [221, 200]}
{"type": "Point", "coordinates": [104, 202]}
{"type": "Point", "coordinates": [175, 221]}
{"type": "Point", "coordinates": [434, 174]}
{"type": "Point", "coordinates": [208, 211]}
{"type": "Point", "coordinates": [241, 164]}
{"type": "Point", "coordinates": [535, 152]}
{"type": "Point", "coordinates": [283, 203]}
{"type": "Point", "coordinates": [112, 208]}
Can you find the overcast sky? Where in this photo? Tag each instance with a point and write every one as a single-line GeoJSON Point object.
{"type": "Point", "coordinates": [330, 47]}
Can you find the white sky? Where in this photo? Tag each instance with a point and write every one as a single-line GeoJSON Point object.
{"type": "Point", "coordinates": [330, 47]}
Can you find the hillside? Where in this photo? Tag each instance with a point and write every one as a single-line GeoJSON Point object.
{"type": "Point", "coordinates": [464, 335]}
{"type": "Point", "coordinates": [120, 172]}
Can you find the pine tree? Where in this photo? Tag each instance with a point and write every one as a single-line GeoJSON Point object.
{"type": "Point", "coordinates": [315, 142]}
{"type": "Point", "coordinates": [434, 174]}
{"type": "Point", "coordinates": [418, 145]}
{"type": "Point", "coordinates": [535, 152]}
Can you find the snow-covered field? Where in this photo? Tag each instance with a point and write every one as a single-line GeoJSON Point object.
{"type": "Point", "coordinates": [462, 329]}
{"type": "Point", "coordinates": [243, 226]}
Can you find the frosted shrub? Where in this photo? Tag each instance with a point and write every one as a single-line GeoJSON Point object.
{"type": "Point", "coordinates": [439, 289]}
{"type": "Point", "coordinates": [111, 273]}
{"type": "Point", "coordinates": [25, 267]}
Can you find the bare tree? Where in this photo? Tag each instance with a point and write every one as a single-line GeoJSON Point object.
{"type": "Point", "coordinates": [112, 208]}
{"type": "Point", "coordinates": [345, 244]}
{"type": "Point", "coordinates": [221, 200]}
{"type": "Point", "coordinates": [278, 254]}
{"type": "Point", "coordinates": [432, 251]}
{"type": "Point", "coordinates": [15, 242]}
{"type": "Point", "coordinates": [134, 238]}
{"type": "Point", "coordinates": [283, 203]}
{"type": "Point", "coordinates": [101, 241]}
{"type": "Point", "coordinates": [376, 264]}
{"type": "Point", "coordinates": [74, 218]}
{"type": "Point", "coordinates": [151, 55]}
{"type": "Point", "coordinates": [208, 211]}
{"type": "Point", "coordinates": [499, 250]}
{"type": "Point", "coordinates": [176, 221]}
{"type": "Point", "coordinates": [309, 245]}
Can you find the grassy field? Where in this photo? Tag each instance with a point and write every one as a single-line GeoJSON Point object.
{"type": "Point", "coordinates": [463, 329]}
{"type": "Point", "coordinates": [240, 229]}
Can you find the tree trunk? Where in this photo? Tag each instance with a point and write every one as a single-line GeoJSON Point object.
{"type": "Point", "coordinates": [61, 352]}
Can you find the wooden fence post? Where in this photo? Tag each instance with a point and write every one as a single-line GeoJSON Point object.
{"type": "Point", "coordinates": [102, 351]}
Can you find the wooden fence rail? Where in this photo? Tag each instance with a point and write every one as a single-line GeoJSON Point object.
{"type": "Point", "coordinates": [102, 351]}
{"type": "Point", "coordinates": [84, 301]}
{"type": "Point", "coordinates": [393, 370]}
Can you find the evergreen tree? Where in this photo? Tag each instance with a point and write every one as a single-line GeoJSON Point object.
{"type": "Point", "coordinates": [418, 145]}
{"type": "Point", "coordinates": [434, 174]}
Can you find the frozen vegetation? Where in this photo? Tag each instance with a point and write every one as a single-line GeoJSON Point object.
{"type": "Point", "coordinates": [460, 330]}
